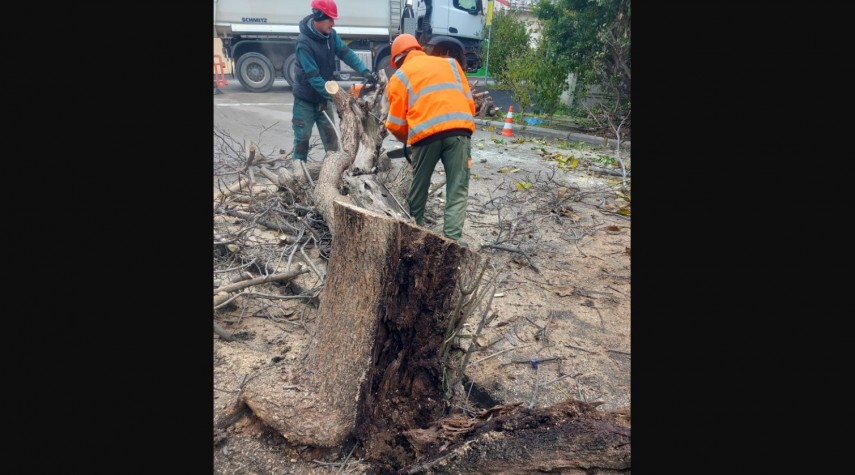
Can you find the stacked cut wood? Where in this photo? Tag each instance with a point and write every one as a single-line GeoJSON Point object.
{"type": "Point", "coordinates": [484, 106]}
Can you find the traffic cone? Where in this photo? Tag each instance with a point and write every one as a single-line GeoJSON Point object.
{"type": "Point", "coordinates": [508, 131]}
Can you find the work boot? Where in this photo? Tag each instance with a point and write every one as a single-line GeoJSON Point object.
{"type": "Point", "coordinates": [463, 243]}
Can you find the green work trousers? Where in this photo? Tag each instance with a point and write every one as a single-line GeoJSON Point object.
{"type": "Point", "coordinates": [455, 153]}
{"type": "Point", "coordinates": [306, 115]}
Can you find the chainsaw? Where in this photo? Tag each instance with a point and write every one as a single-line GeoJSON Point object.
{"type": "Point", "coordinates": [400, 152]}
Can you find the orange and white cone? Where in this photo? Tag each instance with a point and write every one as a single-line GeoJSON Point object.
{"type": "Point", "coordinates": [508, 131]}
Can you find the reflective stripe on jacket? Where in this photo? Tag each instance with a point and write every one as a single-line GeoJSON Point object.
{"type": "Point", "coordinates": [428, 95]}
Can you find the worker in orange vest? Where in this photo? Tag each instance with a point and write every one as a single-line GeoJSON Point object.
{"type": "Point", "coordinates": [431, 109]}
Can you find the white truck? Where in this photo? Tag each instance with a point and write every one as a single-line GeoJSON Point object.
{"type": "Point", "coordinates": [259, 36]}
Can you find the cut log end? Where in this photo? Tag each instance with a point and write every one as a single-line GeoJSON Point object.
{"type": "Point", "coordinates": [332, 87]}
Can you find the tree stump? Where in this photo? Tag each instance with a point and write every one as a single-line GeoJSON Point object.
{"type": "Point", "coordinates": [373, 368]}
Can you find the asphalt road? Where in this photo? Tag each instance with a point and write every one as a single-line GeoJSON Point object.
{"type": "Point", "coordinates": [264, 119]}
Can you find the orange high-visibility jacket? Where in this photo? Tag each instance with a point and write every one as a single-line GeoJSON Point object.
{"type": "Point", "coordinates": [428, 95]}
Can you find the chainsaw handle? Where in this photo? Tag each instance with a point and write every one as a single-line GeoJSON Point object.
{"type": "Point", "coordinates": [407, 154]}
{"type": "Point", "coordinates": [365, 86]}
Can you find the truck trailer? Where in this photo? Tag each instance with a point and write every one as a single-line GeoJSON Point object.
{"type": "Point", "coordinates": [259, 36]}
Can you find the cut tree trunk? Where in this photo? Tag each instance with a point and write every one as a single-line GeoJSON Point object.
{"type": "Point", "coordinates": [372, 369]}
{"type": "Point", "coordinates": [362, 132]}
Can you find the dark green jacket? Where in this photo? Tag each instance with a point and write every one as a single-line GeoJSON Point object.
{"type": "Point", "coordinates": [316, 61]}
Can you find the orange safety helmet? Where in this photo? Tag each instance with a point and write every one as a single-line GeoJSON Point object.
{"type": "Point", "coordinates": [403, 43]}
{"type": "Point", "coordinates": [327, 7]}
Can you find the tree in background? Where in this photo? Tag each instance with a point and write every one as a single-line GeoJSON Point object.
{"type": "Point", "coordinates": [594, 38]}
{"type": "Point", "coordinates": [518, 77]}
{"type": "Point", "coordinates": [535, 76]}
{"type": "Point", "coordinates": [508, 39]}
{"type": "Point", "coordinates": [550, 79]}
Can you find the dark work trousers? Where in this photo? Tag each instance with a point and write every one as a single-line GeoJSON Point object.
{"type": "Point", "coordinates": [455, 153]}
{"type": "Point", "coordinates": [306, 115]}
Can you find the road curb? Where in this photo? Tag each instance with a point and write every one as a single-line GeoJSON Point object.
{"type": "Point", "coordinates": [563, 134]}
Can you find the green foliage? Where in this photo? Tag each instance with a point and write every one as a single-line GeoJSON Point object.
{"type": "Point", "coordinates": [604, 159]}
{"type": "Point", "coordinates": [594, 38]}
{"type": "Point", "coordinates": [535, 76]}
{"type": "Point", "coordinates": [549, 81]}
{"type": "Point", "coordinates": [518, 78]}
{"type": "Point", "coordinates": [508, 38]}
{"type": "Point", "coordinates": [581, 146]}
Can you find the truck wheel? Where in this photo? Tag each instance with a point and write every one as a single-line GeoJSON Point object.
{"type": "Point", "coordinates": [385, 64]}
{"type": "Point", "coordinates": [255, 72]}
{"type": "Point", "coordinates": [290, 70]}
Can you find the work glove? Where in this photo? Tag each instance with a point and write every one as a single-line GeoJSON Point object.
{"type": "Point", "coordinates": [370, 77]}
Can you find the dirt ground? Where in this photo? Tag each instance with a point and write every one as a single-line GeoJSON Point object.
{"type": "Point", "coordinates": [559, 240]}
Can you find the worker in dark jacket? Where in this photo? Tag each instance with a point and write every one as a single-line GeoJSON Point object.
{"type": "Point", "coordinates": [317, 47]}
{"type": "Point", "coordinates": [431, 108]}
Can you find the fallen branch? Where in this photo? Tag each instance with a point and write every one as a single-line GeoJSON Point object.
{"type": "Point", "coordinates": [608, 171]}
{"type": "Point", "coordinates": [267, 224]}
{"type": "Point", "coordinates": [261, 280]}
{"type": "Point", "coordinates": [233, 188]}
{"type": "Point", "coordinates": [436, 188]}
{"type": "Point", "coordinates": [344, 464]}
{"type": "Point", "coordinates": [221, 294]}
{"type": "Point", "coordinates": [514, 249]}
{"type": "Point", "coordinates": [499, 353]}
